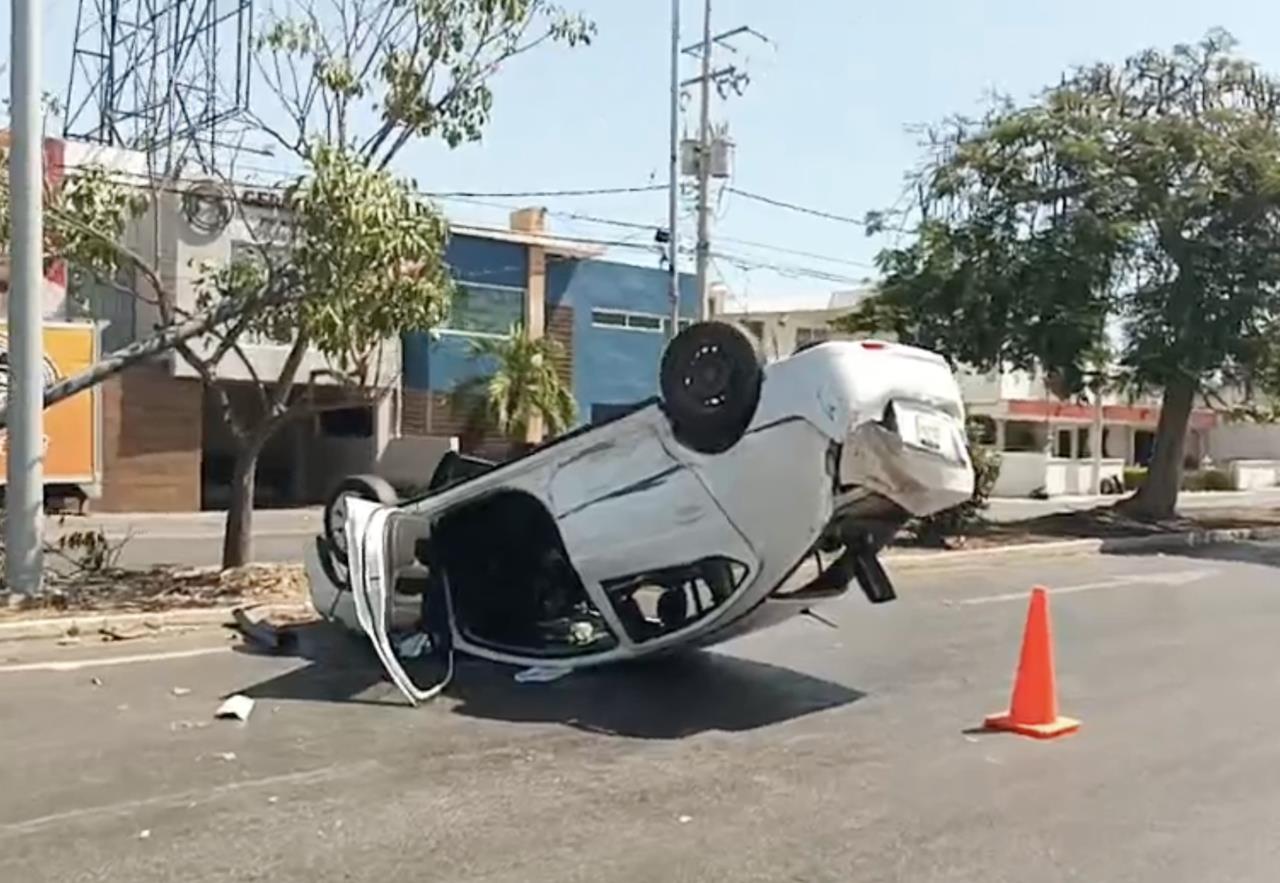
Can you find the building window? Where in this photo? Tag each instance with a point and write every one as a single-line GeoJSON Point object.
{"type": "Point", "coordinates": [1062, 447]}
{"type": "Point", "coordinates": [608, 319]}
{"type": "Point", "coordinates": [485, 310]}
{"type": "Point", "coordinates": [347, 423]}
{"type": "Point", "coordinates": [805, 336]}
{"type": "Point", "coordinates": [633, 321]}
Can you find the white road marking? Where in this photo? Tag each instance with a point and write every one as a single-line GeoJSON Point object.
{"type": "Point", "coordinates": [188, 798]}
{"type": "Point", "coordinates": [1174, 578]}
{"type": "Point", "coordinates": [103, 661]}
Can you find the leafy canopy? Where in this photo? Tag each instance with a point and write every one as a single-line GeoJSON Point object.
{"type": "Point", "coordinates": [525, 384]}
{"type": "Point", "coordinates": [364, 259]}
{"type": "Point", "coordinates": [370, 75]}
{"type": "Point", "coordinates": [1133, 205]}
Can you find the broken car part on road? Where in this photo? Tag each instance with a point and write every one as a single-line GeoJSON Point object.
{"type": "Point", "coordinates": [675, 525]}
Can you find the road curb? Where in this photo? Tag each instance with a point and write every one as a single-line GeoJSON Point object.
{"type": "Point", "coordinates": [90, 624]}
{"type": "Point", "coordinates": [1171, 542]}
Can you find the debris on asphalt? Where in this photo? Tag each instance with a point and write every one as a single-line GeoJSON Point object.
{"type": "Point", "coordinates": [188, 725]}
{"type": "Point", "coordinates": [273, 799]}
{"type": "Point", "coordinates": [226, 755]}
{"type": "Point", "coordinates": [96, 681]}
{"type": "Point", "coordinates": [413, 646]}
{"type": "Point", "coordinates": [68, 641]}
{"type": "Point", "coordinates": [180, 691]}
{"type": "Point", "coordinates": [263, 634]}
{"type": "Point", "coordinates": [684, 820]}
{"type": "Point", "coordinates": [541, 674]}
{"type": "Point", "coordinates": [238, 706]}
{"type": "Point", "coordinates": [116, 633]}
{"type": "Point", "coordinates": [144, 834]}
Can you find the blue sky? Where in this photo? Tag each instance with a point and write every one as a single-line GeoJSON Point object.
{"type": "Point", "coordinates": [823, 123]}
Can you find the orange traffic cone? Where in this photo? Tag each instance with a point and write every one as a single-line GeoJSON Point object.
{"type": "Point", "coordinates": [1034, 708]}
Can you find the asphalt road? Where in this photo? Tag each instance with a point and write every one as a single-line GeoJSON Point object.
{"type": "Point", "coordinates": [802, 753]}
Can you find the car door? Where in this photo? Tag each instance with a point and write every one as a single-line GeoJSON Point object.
{"type": "Point", "coordinates": [627, 507]}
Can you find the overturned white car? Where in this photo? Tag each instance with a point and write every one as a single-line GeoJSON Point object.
{"type": "Point", "coordinates": [677, 524]}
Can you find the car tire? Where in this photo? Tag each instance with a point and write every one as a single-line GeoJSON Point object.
{"type": "Point", "coordinates": [363, 487]}
{"type": "Point", "coordinates": [710, 379]}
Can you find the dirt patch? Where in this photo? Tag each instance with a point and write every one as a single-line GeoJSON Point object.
{"type": "Point", "coordinates": [160, 589]}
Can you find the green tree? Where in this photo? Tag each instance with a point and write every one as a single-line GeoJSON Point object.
{"type": "Point", "coordinates": [525, 393]}
{"type": "Point", "coordinates": [349, 83]}
{"type": "Point", "coordinates": [1128, 217]}
{"type": "Point", "coordinates": [364, 255]}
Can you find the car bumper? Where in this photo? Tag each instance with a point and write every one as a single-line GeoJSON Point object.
{"type": "Point", "coordinates": [921, 481]}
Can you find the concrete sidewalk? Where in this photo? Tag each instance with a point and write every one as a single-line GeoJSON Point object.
{"type": "Point", "coordinates": [1006, 509]}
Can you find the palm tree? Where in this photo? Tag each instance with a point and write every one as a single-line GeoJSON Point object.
{"type": "Point", "coordinates": [525, 385]}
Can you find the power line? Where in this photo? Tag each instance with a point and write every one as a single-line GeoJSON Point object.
{"type": "Point", "coordinates": [802, 209]}
{"type": "Point", "coordinates": [792, 270]}
{"type": "Point", "coordinates": [529, 194]}
{"type": "Point", "coordinates": [283, 178]}
{"type": "Point", "coordinates": [744, 262]}
{"type": "Point", "coordinates": [798, 253]}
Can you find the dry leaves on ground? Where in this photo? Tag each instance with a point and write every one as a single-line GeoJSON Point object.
{"type": "Point", "coordinates": [163, 588]}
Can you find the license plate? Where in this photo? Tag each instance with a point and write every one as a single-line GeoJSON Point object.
{"type": "Point", "coordinates": [924, 429]}
{"type": "Point", "coordinates": [928, 433]}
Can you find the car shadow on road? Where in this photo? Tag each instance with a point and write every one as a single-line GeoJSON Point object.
{"type": "Point", "coordinates": [667, 698]}
{"type": "Point", "coordinates": [670, 698]}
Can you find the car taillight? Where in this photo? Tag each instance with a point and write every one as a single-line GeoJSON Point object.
{"type": "Point", "coordinates": [873, 345]}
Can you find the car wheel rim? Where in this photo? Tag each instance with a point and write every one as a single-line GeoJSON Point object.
{"type": "Point", "coordinates": [338, 523]}
{"type": "Point", "coordinates": [708, 375]}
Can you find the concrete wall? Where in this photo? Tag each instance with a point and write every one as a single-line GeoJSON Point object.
{"type": "Point", "coordinates": [1075, 477]}
{"type": "Point", "coordinates": [1244, 441]}
{"type": "Point", "coordinates": [409, 461]}
{"type": "Point", "coordinates": [151, 452]}
{"type": "Point", "coordinates": [1021, 472]}
{"type": "Point", "coordinates": [614, 366]}
{"type": "Point", "coordinates": [1249, 475]}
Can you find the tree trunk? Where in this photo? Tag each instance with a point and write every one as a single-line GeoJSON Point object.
{"type": "Point", "coordinates": [237, 541]}
{"type": "Point", "coordinates": [1157, 498]}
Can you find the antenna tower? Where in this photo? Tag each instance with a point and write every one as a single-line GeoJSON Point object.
{"type": "Point", "coordinates": [159, 76]}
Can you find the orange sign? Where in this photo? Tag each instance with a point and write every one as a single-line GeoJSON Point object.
{"type": "Point", "coordinates": [70, 426]}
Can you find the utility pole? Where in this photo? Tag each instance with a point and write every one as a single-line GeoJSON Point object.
{"type": "Point", "coordinates": [673, 194]}
{"type": "Point", "coordinates": [710, 155]}
{"type": "Point", "coordinates": [24, 494]}
{"type": "Point", "coordinates": [704, 167]}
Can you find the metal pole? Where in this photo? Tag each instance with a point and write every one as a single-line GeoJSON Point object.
{"type": "Point", "coordinates": [1096, 482]}
{"type": "Point", "coordinates": [24, 495]}
{"type": "Point", "coordinates": [704, 166]}
{"type": "Point", "coordinates": [673, 191]}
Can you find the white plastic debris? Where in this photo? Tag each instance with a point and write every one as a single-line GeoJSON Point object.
{"type": "Point", "coordinates": [181, 691]}
{"type": "Point", "coordinates": [541, 674]}
{"type": "Point", "coordinates": [413, 646]}
{"type": "Point", "coordinates": [238, 706]}
{"type": "Point", "coordinates": [144, 834]}
{"type": "Point", "coordinates": [228, 756]}
{"type": "Point", "coordinates": [684, 820]}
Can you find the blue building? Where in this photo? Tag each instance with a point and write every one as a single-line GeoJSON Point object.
{"type": "Point", "coordinates": [610, 319]}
